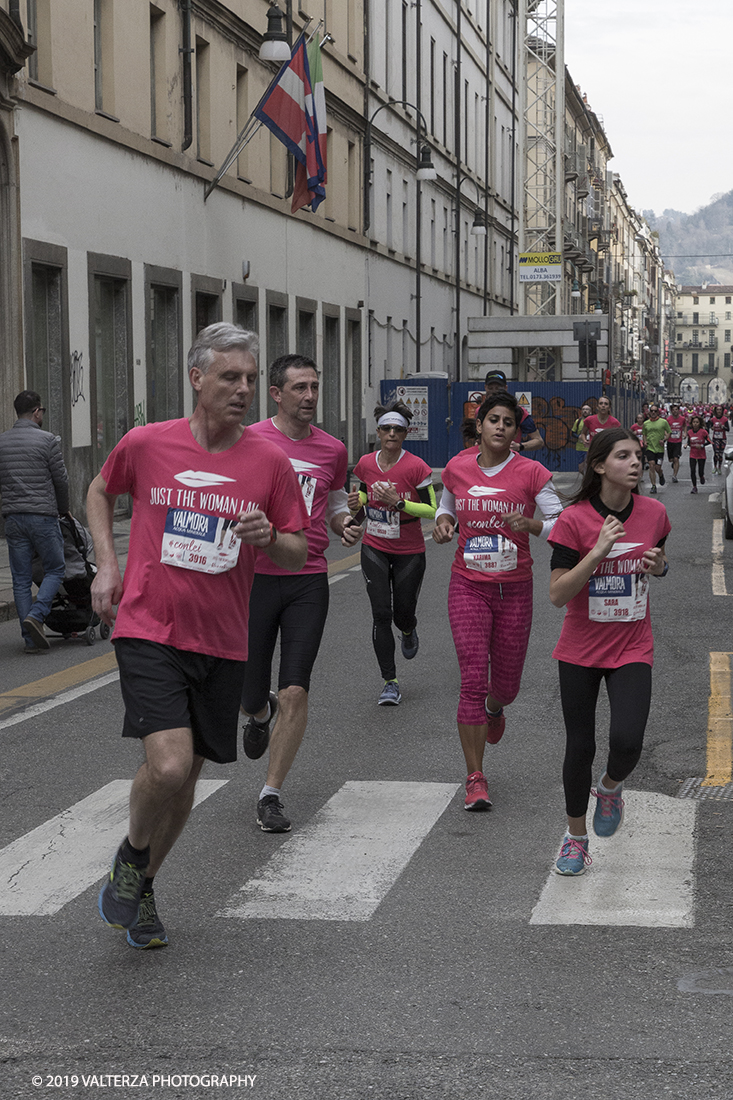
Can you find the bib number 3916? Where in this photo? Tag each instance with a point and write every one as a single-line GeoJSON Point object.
{"type": "Point", "coordinates": [194, 540]}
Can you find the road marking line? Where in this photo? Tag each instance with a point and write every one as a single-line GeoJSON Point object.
{"type": "Point", "coordinates": [341, 865]}
{"type": "Point", "coordinates": [59, 700]}
{"type": "Point", "coordinates": [49, 866]}
{"type": "Point", "coordinates": [337, 577]}
{"type": "Point", "coordinates": [643, 877]}
{"type": "Point", "coordinates": [343, 563]}
{"type": "Point", "coordinates": [714, 498]}
{"type": "Point", "coordinates": [58, 681]}
{"type": "Point", "coordinates": [719, 588]}
{"type": "Point", "coordinates": [719, 770]}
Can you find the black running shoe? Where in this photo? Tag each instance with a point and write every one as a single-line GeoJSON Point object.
{"type": "Point", "coordinates": [148, 930]}
{"type": "Point", "coordinates": [119, 898]}
{"type": "Point", "coordinates": [256, 735]}
{"type": "Point", "coordinates": [410, 644]}
{"type": "Point", "coordinates": [270, 816]}
{"type": "Point", "coordinates": [661, 477]}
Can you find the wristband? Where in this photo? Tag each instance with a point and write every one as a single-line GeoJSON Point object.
{"type": "Point", "coordinates": [665, 571]}
{"type": "Point", "coordinates": [521, 446]}
{"type": "Point", "coordinates": [273, 534]}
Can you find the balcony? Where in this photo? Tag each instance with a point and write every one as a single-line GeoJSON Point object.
{"type": "Point", "coordinates": [700, 320]}
{"type": "Point", "coordinates": [698, 345]}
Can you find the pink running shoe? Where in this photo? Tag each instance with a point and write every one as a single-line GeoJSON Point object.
{"type": "Point", "coordinates": [496, 724]}
{"type": "Point", "coordinates": [477, 792]}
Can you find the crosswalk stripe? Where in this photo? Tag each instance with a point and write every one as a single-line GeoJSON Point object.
{"type": "Point", "coordinates": [718, 566]}
{"type": "Point", "coordinates": [341, 865]}
{"type": "Point", "coordinates": [49, 866]}
{"type": "Point", "coordinates": [643, 876]}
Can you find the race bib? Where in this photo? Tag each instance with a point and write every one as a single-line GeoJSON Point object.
{"type": "Point", "coordinates": [308, 489]}
{"type": "Point", "coordinates": [194, 540]}
{"type": "Point", "coordinates": [618, 599]}
{"type": "Point", "coordinates": [383, 523]}
{"type": "Point", "coordinates": [676, 435]}
{"type": "Point", "coordinates": [490, 554]}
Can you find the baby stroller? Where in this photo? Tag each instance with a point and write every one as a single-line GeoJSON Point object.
{"type": "Point", "coordinates": [71, 613]}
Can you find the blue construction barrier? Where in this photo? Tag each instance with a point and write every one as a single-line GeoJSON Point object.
{"type": "Point", "coordinates": [554, 408]}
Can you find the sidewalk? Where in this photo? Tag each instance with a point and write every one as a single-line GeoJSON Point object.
{"type": "Point", "coordinates": [121, 529]}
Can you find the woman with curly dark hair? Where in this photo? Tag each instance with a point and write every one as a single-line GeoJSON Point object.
{"type": "Point", "coordinates": [396, 491]}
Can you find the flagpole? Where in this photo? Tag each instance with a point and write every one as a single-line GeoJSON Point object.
{"type": "Point", "coordinates": [244, 137]}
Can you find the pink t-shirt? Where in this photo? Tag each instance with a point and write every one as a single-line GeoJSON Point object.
{"type": "Point", "coordinates": [593, 425]}
{"type": "Point", "coordinates": [608, 623]}
{"type": "Point", "coordinates": [387, 529]}
{"type": "Point", "coordinates": [719, 427]}
{"type": "Point", "coordinates": [638, 431]}
{"type": "Point", "coordinates": [488, 549]}
{"type": "Point", "coordinates": [320, 463]}
{"type": "Point", "coordinates": [697, 441]}
{"type": "Point", "coordinates": [185, 500]}
{"type": "Point", "coordinates": [677, 424]}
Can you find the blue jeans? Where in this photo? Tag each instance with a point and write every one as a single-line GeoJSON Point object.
{"type": "Point", "coordinates": [25, 533]}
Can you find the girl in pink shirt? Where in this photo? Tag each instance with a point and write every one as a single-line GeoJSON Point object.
{"type": "Point", "coordinates": [605, 545]}
{"type": "Point", "coordinates": [697, 439]}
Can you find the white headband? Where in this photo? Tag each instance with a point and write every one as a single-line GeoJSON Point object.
{"type": "Point", "coordinates": [392, 419]}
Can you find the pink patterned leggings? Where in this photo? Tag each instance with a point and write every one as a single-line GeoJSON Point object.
{"type": "Point", "coordinates": [490, 623]}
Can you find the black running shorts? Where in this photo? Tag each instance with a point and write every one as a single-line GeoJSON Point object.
{"type": "Point", "coordinates": [674, 449]}
{"type": "Point", "coordinates": [165, 688]}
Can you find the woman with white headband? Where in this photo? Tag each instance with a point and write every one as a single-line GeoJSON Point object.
{"type": "Point", "coordinates": [490, 494]}
{"type": "Point", "coordinates": [397, 493]}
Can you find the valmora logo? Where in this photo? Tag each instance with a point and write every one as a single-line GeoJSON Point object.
{"type": "Point", "coordinates": [199, 479]}
{"type": "Point", "coordinates": [622, 548]}
{"type": "Point", "coordinates": [484, 491]}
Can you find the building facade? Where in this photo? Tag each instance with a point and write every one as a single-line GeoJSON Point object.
{"type": "Point", "coordinates": [701, 350]}
{"type": "Point", "coordinates": [114, 117]}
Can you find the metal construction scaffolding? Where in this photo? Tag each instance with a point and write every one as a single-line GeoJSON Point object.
{"type": "Point", "coordinates": [541, 145]}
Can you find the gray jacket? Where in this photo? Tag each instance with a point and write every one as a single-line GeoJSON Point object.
{"type": "Point", "coordinates": [33, 477]}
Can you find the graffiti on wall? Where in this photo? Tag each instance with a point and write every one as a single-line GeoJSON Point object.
{"type": "Point", "coordinates": [139, 419]}
{"type": "Point", "coordinates": [77, 377]}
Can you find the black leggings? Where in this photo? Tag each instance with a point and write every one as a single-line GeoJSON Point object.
{"type": "Point", "coordinates": [700, 463]}
{"type": "Point", "coordinates": [629, 694]}
{"type": "Point", "coordinates": [393, 582]}
{"type": "Point", "coordinates": [296, 606]}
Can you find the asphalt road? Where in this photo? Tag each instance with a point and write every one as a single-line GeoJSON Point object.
{"type": "Point", "coordinates": [446, 990]}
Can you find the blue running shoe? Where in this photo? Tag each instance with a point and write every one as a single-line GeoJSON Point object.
{"type": "Point", "coordinates": [148, 930]}
{"type": "Point", "coordinates": [409, 643]}
{"type": "Point", "coordinates": [573, 857]}
{"type": "Point", "coordinates": [390, 695]}
{"type": "Point", "coordinates": [609, 811]}
{"type": "Point", "coordinates": [119, 898]}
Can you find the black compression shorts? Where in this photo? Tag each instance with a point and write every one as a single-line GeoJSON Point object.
{"type": "Point", "coordinates": [297, 607]}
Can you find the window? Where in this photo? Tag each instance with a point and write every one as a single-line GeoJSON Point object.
{"type": "Point", "coordinates": [164, 339]}
{"type": "Point", "coordinates": [711, 362]}
{"type": "Point", "coordinates": [727, 336]}
{"type": "Point", "coordinates": [727, 315]}
{"type": "Point", "coordinates": [306, 344]}
{"type": "Point", "coordinates": [353, 184]}
{"type": "Point", "coordinates": [695, 337]}
{"type": "Point", "coordinates": [728, 301]}
{"type": "Point", "coordinates": [242, 116]}
{"type": "Point", "coordinates": [331, 380]}
{"type": "Point", "coordinates": [432, 86]}
{"type": "Point", "coordinates": [679, 315]}
{"type": "Point", "coordinates": [712, 301]}
{"type": "Point", "coordinates": [726, 360]}
{"type": "Point", "coordinates": [388, 209]}
{"type": "Point", "coordinates": [203, 101]}
{"type": "Point", "coordinates": [104, 99]}
{"type": "Point", "coordinates": [696, 318]}
{"type": "Point", "coordinates": [695, 359]}
{"type": "Point", "coordinates": [357, 442]}
{"type": "Point", "coordinates": [112, 375]}
{"type": "Point", "coordinates": [45, 361]}
{"type": "Point", "coordinates": [696, 301]}
{"type": "Point", "coordinates": [406, 219]}
{"type": "Point", "coordinates": [711, 318]}
{"type": "Point", "coordinates": [158, 97]}
{"type": "Point", "coordinates": [679, 335]}
{"type": "Point", "coordinates": [39, 35]}
{"type": "Point", "coordinates": [404, 49]}
{"type": "Point", "coordinates": [679, 362]}
{"type": "Point", "coordinates": [445, 100]}
{"type": "Point", "coordinates": [246, 314]}
{"type": "Point", "coordinates": [207, 311]}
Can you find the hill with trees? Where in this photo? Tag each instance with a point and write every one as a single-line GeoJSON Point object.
{"type": "Point", "coordinates": [697, 247]}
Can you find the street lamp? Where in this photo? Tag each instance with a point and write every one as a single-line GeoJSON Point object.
{"type": "Point", "coordinates": [478, 229]}
{"type": "Point", "coordinates": [275, 45]}
{"type": "Point", "coordinates": [425, 170]}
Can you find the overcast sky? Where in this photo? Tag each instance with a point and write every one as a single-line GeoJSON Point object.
{"type": "Point", "coordinates": [659, 74]}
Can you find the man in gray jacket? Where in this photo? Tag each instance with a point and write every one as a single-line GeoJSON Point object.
{"type": "Point", "coordinates": [35, 488]}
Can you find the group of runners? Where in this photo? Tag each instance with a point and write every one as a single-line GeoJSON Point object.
{"type": "Point", "coordinates": [229, 527]}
